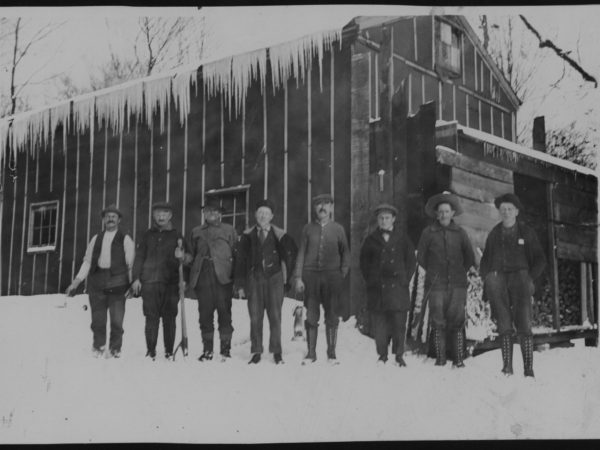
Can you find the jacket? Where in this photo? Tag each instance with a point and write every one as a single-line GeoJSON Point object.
{"type": "Point", "coordinates": [526, 241]}
{"type": "Point", "coordinates": [387, 268]}
{"type": "Point", "coordinates": [216, 244]}
{"type": "Point", "coordinates": [446, 255]}
{"type": "Point", "coordinates": [283, 256]}
{"type": "Point", "coordinates": [323, 248]}
{"type": "Point", "coordinates": [155, 260]}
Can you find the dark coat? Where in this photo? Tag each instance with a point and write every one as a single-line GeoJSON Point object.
{"type": "Point", "coordinates": [446, 255]}
{"type": "Point", "coordinates": [526, 241]}
{"type": "Point", "coordinates": [247, 248]}
{"type": "Point", "coordinates": [155, 260]}
{"type": "Point", "coordinates": [216, 244]}
{"type": "Point", "coordinates": [387, 268]}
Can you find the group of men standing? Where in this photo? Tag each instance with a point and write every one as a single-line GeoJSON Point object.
{"type": "Point", "coordinates": [264, 262]}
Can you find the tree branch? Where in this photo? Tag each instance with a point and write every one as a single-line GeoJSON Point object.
{"type": "Point", "coordinates": [561, 53]}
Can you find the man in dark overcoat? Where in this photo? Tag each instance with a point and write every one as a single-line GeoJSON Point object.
{"type": "Point", "coordinates": [156, 277]}
{"type": "Point", "coordinates": [211, 276]}
{"type": "Point", "coordinates": [107, 266]}
{"type": "Point", "coordinates": [263, 265]}
{"type": "Point", "coordinates": [322, 264]}
{"type": "Point", "coordinates": [446, 254]}
{"type": "Point", "coordinates": [387, 263]}
{"type": "Point", "coordinates": [513, 258]}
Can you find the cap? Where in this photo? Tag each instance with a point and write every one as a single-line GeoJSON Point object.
{"type": "Point", "coordinates": [508, 198]}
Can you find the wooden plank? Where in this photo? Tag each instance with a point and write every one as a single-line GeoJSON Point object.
{"type": "Point", "coordinates": [553, 263]}
{"type": "Point", "coordinates": [574, 214]}
{"type": "Point", "coordinates": [476, 166]}
{"type": "Point", "coordinates": [403, 38]}
{"type": "Point", "coordinates": [474, 186]}
{"type": "Point", "coordinates": [476, 221]}
{"type": "Point", "coordinates": [583, 290]}
{"type": "Point", "coordinates": [582, 236]}
{"type": "Point", "coordinates": [574, 195]}
{"type": "Point", "coordinates": [575, 252]}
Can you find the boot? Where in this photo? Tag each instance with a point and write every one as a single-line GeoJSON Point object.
{"type": "Point", "coordinates": [527, 351]}
{"type": "Point", "coordinates": [458, 349]}
{"type": "Point", "coordinates": [225, 348]}
{"type": "Point", "coordinates": [331, 334]}
{"type": "Point", "coordinates": [506, 345]}
{"type": "Point", "coordinates": [207, 354]}
{"type": "Point", "coordinates": [311, 343]}
{"type": "Point", "coordinates": [439, 344]}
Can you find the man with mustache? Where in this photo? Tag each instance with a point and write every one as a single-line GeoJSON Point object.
{"type": "Point", "coordinates": [156, 277]}
{"type": "Point", "coordinates": [323, 262]}
{"type": "Point", "coordinates": [264, 263]}
{"type": "Point", "coordinates": [107, 265]}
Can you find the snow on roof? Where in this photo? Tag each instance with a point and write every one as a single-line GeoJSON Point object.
{"type": "Point", "coordinates": [231, 75]}
{"type": "Point", "coordinates": [520, 150]}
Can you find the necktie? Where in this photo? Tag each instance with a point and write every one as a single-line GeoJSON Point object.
{"type": "Point", "coordinates": [386, 235]}
{"type": "Point", "coordinates": [262, 235]}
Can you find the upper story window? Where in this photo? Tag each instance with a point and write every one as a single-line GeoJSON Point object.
{"type": "Point", "coordinates": [448, 52]}
{"type": "Point", "coordinates": [43, 225]}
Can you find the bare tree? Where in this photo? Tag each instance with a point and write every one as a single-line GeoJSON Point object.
{"type": "Point", "coordinates": [573, 145]}
{"type": "Point", "coordinates": [17, 42]}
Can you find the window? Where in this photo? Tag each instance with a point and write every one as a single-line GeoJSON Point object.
{"type": "Point", "coordinates": [448, 55]}
{"type": "Point", "coordinates": [234, 201]}
{"type": "Point", "coordinates": [43, 225]}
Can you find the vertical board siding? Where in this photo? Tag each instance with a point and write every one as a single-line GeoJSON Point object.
{"type": "Point", "coordinates": [144, 185]}
{"type": "Point", "coordinates": [486, 118]}
{"type": "Point", "coordinates": [128, 179]}
{"type": "Point", "coordinates": [176, 164]}
{"type": "Point", "coordinates": [424, 44]}
{"type": "Point", "coordinates": [275, 148]}
{"type": "Point", "coordinates": [320, 133]}
{"type": "Point", "coordinates": [254, 144]}
{"type": "Point", "coordinates": [159, 161]}
{"type": "Point", "coordinates": [403, 38]}
{"type": "Point", "coordinates": [212, 146]}
{"type": "Point", "coordinates": [447, 101]}
{"type": "Point", "coordinates": [194, 192]}
{"type": "Point", "coordinates": [297, 156]}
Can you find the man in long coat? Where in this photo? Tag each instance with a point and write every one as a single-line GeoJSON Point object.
{"type": "Point", "coordinates": [387, 263]}
{"type": "Point", "coordinates": [211, 276]}
{"type": "Point", "coordinates": [446, 254]}
{"type": "Point", "coordinates": [512, 259]}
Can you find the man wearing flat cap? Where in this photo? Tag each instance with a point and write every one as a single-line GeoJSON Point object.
{"type": "Point", "coordinates": [513, 258]}
{"type": "Point", "coordinates": [446, 254]}
{"type": "Point", "coordinates": [322, 264]}
{"type": "Point", "coordinates": [107, 265]}
{"type": "Point", "coordinates": [387, 263]}
{"type": "Point", "coordinates": [156, 277]}
{"type": "Point", "coordinates": [211, 277]}
{"type": "Point", "coordinates": [263, 266]}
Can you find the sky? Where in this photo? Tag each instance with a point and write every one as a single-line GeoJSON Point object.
{"type": "Point", "coordinates": [234, 30]}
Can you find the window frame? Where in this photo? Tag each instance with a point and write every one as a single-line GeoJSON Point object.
{"type": "Point", "coordinates": [440, 62]}
{"type": "Point", "coordinates": [33, 207]}
{"type": "Point", "coordinates": [218, 194]}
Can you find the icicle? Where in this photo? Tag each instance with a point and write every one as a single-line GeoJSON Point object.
{"type": "Point", "coordinates": [134, 99]}
{"type": "Point", "coordinates": [181, 91]}
{"type": "Point", "coordinates": [83, 110]}
{"type": "Point", "coordinates": [157, 91]}
{"type": "Point", "coordinates": [59, 114]}
{"type": "Point", "coordinates": [3, 138]}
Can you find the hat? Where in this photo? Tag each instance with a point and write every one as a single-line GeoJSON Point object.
{"type": "Point", "coordinates": [266, 203]}
{"type": "Point", "coordinates": [322, 198]}
{"type": "Point", "coordinates": [444, 197]}
{"type": "Point", "coordinates": [112, 208]}
{"type": "Point", "coordinates": [386, 207]}
{"type": "Point", "coordinates": [508, 198]}
{"type": "Point", "coordinates": [213, 204]}
{"type": "Point", "coordinates": [162, 205]}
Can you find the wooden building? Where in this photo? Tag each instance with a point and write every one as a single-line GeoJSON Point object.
{"type": "Point", "coordinates": [385, 109]}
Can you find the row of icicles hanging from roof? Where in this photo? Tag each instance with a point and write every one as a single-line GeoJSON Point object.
{"type": "Point", "coordinates": [231, 77]}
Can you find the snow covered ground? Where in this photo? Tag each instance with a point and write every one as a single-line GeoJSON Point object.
{"type": "Point", "coordinates": [53, 391]}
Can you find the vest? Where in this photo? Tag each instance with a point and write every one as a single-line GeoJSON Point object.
{"type": "Point", "coordinates": [118, 265]}
{"type": "Point", "coordinates": [266, 257]}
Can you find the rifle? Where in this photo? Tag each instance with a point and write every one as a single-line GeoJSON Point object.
{"type": "Point", "coordinates": [184, 339]}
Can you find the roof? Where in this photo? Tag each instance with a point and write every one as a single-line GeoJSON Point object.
{"type": "Point", "coordinates": [521, 150]}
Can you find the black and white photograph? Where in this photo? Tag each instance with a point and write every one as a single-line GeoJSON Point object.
{"type": "Point", "coordinates": [299, 224]}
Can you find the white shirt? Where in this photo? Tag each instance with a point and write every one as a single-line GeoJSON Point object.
{"type": "Point", "coordinates": [104, 258]}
